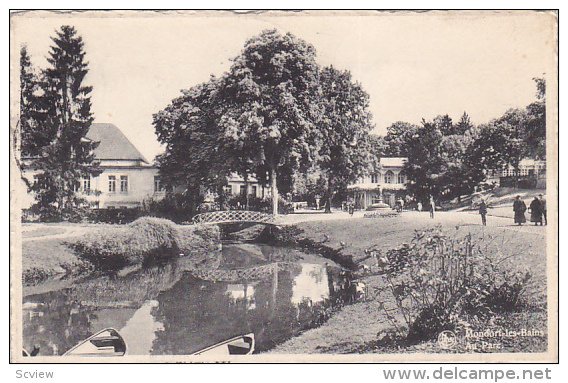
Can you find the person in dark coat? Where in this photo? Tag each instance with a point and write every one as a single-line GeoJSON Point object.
{"type": "Point", "coordinates": [536, 211]}
{"type": "Point", "coordinates": [483, 212]}
{"type": "Point", "coordinates": [519, 208]}
{"type": "Point", "coordinates": [543, 205]}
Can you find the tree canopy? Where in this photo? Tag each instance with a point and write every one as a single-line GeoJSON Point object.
{"type": "Point", "coordinates": [275, 113]}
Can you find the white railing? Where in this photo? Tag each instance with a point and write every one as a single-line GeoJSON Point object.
{"type": "Point", "coordinates": [232, 216]}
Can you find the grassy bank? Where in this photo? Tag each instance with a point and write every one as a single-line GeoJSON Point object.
{"type": "Point", "coordinates": [113, 247]}
{"type": "Point", "coordinates": [45, 258]}
{"type": "Point", "coordinates": [145, 240]}
{"type": "Point", "coordinates": [362, 327]}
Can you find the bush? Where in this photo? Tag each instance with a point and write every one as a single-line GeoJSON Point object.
{"type": "Point", "coordinates": [178, 207]}
{"type": "Point", "coordinates": [147, 239]}
{"type": "Point", "coordinates": [440, 283]}
{"type": "Point", "coordinates": [119, 216]}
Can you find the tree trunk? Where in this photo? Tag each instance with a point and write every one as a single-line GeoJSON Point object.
{"type": "Point", "coordinates": [274, 190]}
{"type": "Point", "coordinates": [329, 195]}
{"type": "Point", "coordinates": [246, 191]}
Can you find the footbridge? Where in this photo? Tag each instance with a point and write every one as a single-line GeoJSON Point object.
{"type": "Point", "coordinates": [232, 216]}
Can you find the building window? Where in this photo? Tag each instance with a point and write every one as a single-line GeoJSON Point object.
{"type": "Point", "coordinates": [112, 184]}
{"type": "Point", "coordinates": [86, 185]}
{"type": "Point", "coordinates": [228, 189]}
{"type": "Point", "coordinates": [253, 191]}
{"type": "Point", "coordinates": [158, 187]}
{"type": "Point", "coordinates": [243, 190]}
{"type": "Point", "coordinates": [401, 178]}
{"type": "Point", "coordinates": [124, 184]}
{"type": "Point", "coordinates": [374, 178]}
{"type": "Point", "coordinates": [389, 177]}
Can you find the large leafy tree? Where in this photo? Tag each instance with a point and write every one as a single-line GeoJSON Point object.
{"type": "Point", "coordinates": [425, 165]}
{"type": "Point", "coordinates": [397, 138]}
{"type": "Point", "coordinates": [194, 157]}
{"type": "Point", "coordinates": [271, 99]}
{"type": "Point", "coordinates": [343, 132]}
{"type": "Point", "coordinates": [535, 135]}
{"type": "Point", "coordinates": [66, 106]}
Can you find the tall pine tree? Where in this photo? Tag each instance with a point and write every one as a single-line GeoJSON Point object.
{"type": "Point", "coordinates": [32, 138]}
{"type": "Point", "coordinates": [66, 103]}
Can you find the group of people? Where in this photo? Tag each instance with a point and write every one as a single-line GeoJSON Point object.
{"type": "Point", "coordinates": [537, 209]}
{"type": "Point", "coordinates": [432, 207]}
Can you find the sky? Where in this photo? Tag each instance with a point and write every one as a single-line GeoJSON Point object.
{"type": "Point", "coordinates": [413, 65]}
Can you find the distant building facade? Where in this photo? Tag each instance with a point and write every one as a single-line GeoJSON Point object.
{"type": "Point", "coordinates": [127, 178]}
{"type": "Point", "coordinates": [531, 173]}
{"type": "Point", "coordinates": [385, 185]}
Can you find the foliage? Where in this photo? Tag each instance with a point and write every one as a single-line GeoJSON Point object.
{"type": "Point", "coordinates": [114, 216]}
{"type": "Point", "coordinates": [438, 159]}
{"type": "Point", "coordinates": [194, 156]}
{"type": "Point", "coordinates": [144, 240]}
{"type": "Point", "coordinates": [178, 207]}
{"type": "Point", "coordinates": [519, 133]}
{"type": "Point", "coordinates": [399, 134]}
{"type": "Point", "coordinates": [65, 155]}
{"type": "Point", "coordinates": [344, 154]}
{"type": "Point", "coordinates": [32, 136]}
{"type": "Point", "coordinates": [271, 99]}
{"type": "Point", "coordinates": [535, 135]}
{"type": "Point", "coordinates": [425, 162]}
{"type": "Point", "coordinates": [440, 283]}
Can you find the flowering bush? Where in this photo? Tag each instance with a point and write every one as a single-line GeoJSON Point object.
{"type": "Point", "coordinates": [441, 283]}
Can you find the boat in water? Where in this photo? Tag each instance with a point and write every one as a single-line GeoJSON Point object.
{"type": "Point", "coordinates": [240, 345]}
{"type": "Point", "coordinates": [107, 342]}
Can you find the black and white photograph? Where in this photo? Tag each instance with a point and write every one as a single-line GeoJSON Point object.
{"type": "Point", "coordinates": [278, 186]}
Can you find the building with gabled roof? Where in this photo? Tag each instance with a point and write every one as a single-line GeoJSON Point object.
{"type": "Point", "coordinates": [113, 144]}
{"type": "Point", "coordinates": [127, 178]}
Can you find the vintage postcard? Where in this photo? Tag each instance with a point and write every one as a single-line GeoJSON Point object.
{"type": "Point", "coordinates": [272, 186]}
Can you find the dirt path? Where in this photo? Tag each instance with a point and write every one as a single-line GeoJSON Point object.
{"type": "Point", "coordinates": [445, 218]}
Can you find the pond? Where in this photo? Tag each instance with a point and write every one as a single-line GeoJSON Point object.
{"type": "Point", "coordinates": [169, 310]}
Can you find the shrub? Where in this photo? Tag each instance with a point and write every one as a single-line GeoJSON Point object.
{"type": "Point", "coordinates": [145, 240]}
{"type": "Point", "coordinates": [178, 207]}
{"type": "Point", "coordinates": [121, 215]}
{"type": "Point", "coordinates": [440, 283]}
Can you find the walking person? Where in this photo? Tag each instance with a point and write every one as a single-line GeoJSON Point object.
{"type": "Point", "coordinates": [536, 211]}
{"type": "Point", "coordinates": [519, 208]}
{"type": "Point", "coordinates": [432, 206]}
{"type": "Point", "coordinates": [483, 212]}
{"type": "Point", "coordinates": [543, 207]}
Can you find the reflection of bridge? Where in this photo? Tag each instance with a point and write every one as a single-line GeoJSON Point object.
{"type": "Point", "coordinates": [230, 216]}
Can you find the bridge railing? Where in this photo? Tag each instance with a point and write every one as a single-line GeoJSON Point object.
{"type": "Point", "coordinates": [232, 216]}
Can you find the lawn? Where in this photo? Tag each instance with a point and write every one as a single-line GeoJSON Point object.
{"type": "Point", "coordinates": [43, 231]}
{"type": "Point", "coordinates": [355, 328]}
{"type": "Point", "coordinates": [42, 258]}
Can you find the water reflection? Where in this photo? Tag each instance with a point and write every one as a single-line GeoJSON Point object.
{"type": "Point", "coordinates": [167, 310]}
